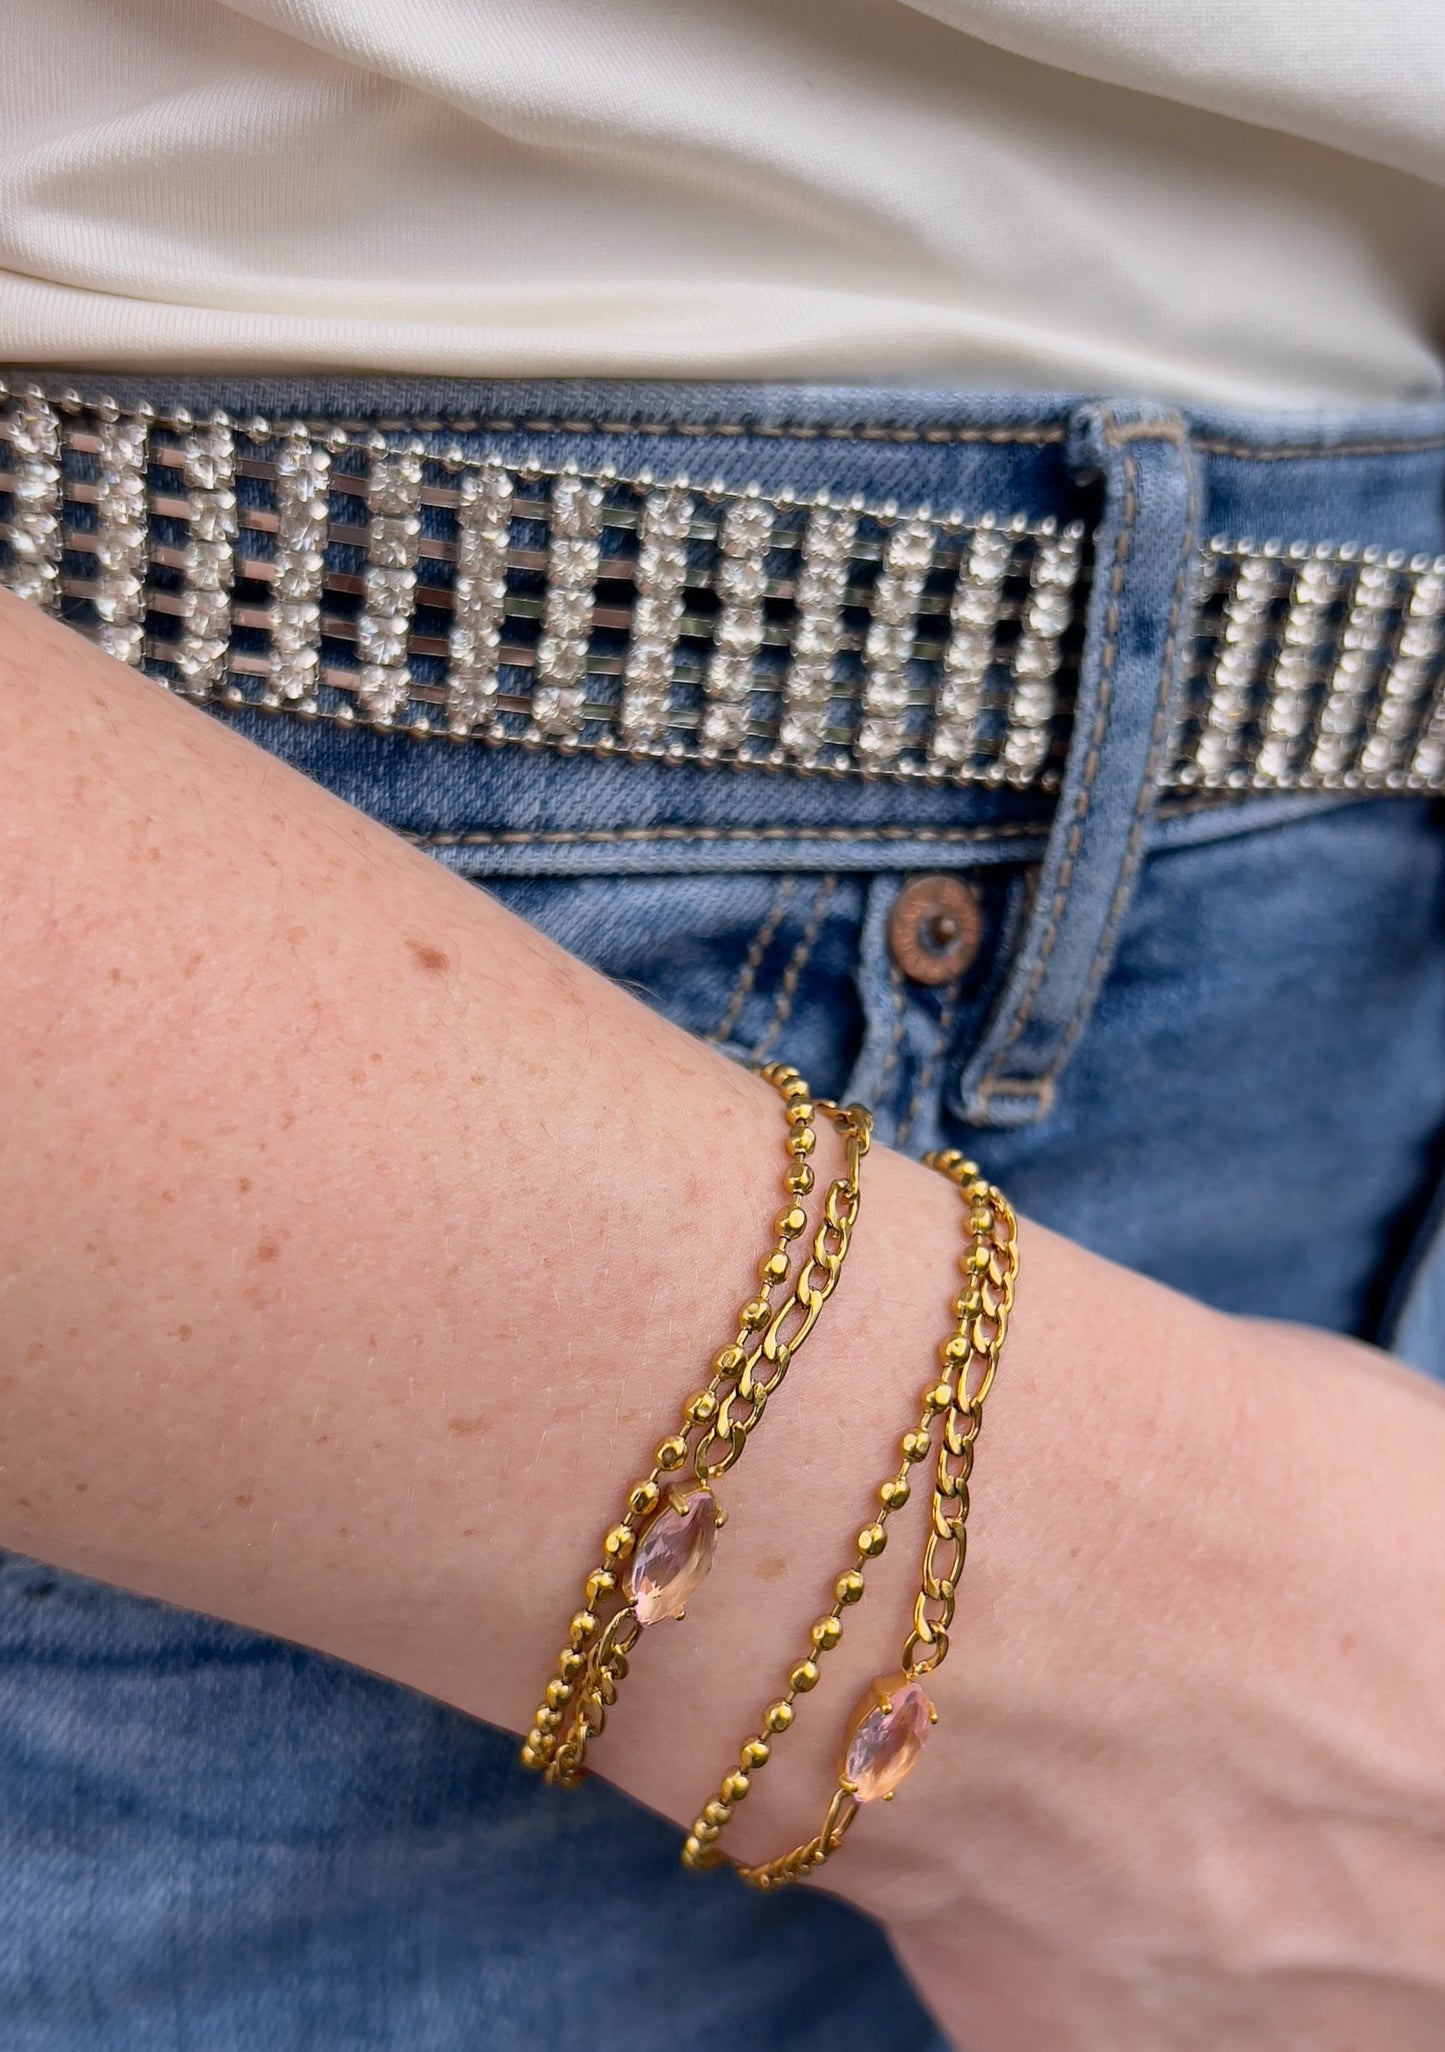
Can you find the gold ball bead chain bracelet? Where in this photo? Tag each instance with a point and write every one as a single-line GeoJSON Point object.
{"type": "Point", "coordinates": [661, 1547]}
{"type": "Point", "coordinates": [885, 1734]}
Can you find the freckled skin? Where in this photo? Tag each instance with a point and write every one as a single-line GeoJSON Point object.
{"type": "Point", "coordinates": [564, 1236]}
{"type": "Point", "coordinates": [268, 1251]}
{"type": "Point", "coordinates": [465, 1428]}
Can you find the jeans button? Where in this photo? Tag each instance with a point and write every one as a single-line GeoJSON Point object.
{"type": "Point", "coordinates": [935, 928]}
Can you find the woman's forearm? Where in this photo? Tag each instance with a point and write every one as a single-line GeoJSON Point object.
{"type": "Point", "coordinates": [356, 1247]}
{"type": "Point", "coordinates": [360, 1245]}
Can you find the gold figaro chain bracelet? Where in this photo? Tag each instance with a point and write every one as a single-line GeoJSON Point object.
{"type": "Point", "coordinates": [885, 1734]}
{"type": "Point", "coordinates": [667, 1532]}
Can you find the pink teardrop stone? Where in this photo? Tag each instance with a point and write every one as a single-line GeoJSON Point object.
{"type": "Point", "coordinates": [883, 1745]}
{"type": "Point", "coordinates": [673, 1555]}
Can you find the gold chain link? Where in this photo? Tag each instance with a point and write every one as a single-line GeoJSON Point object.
{"type": "Point", "coordinates": [970, 1361]}
{"type": "Point", "coordinates": [593, 1663]}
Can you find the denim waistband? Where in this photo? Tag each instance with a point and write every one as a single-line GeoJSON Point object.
{"type": "Point", "coordinates": [769, 624]}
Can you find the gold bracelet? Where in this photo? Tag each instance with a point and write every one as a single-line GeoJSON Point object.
{"type": "Point", "coordinates": [668, 1533]}
{"type": "Point", "coordinates": [885, 1733]}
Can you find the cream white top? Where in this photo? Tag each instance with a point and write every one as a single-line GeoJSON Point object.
{"type": "Point", "coordinates": [1218, 199]}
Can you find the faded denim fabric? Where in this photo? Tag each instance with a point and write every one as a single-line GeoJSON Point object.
{"type": "Point", "coordinates": [1202, 1038]}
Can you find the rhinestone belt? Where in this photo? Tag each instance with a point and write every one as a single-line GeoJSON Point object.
{"type": "Point", "coordinates": [406, 586]}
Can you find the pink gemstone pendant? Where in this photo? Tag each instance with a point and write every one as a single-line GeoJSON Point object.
{"type": "Point", "coordinates": [674, 1554]}
{"type": "Point", "coordinates": [885, 1737]}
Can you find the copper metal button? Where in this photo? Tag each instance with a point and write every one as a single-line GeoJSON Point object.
{"type": "Point", "coordinates": [935, 928]}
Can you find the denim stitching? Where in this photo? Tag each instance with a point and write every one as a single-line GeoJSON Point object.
{"type": "Point", "coordinates": [1004, 435]}
{"type": "Point", "coordinates": [1108, 657]}
{"type": "Point", "coordinates": [961, 836]}
{"type": "Point", "coordinates": [1104, 951]}
{"type": "Point", "coordinates": [926, 1073]}
{"type": "Point", "coordinates": [788, 988]}
{"type": "Point", "coordinates": [1304, 452]}
{"type": "Point", "coordinates": [895, 1038]}
{"type": "Point", "coordinates": [523, 837]}
{"type": "Point", "coordinates": [747, 976]}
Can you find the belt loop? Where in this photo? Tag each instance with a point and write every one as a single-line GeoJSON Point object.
{"type": "Point", "coordinates": [1145, 553]}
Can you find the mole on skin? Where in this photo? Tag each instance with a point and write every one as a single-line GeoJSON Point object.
{"type": "Point", "coordinates": [428, 957]}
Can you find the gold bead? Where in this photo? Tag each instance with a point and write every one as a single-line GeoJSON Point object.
{"type": "Point", "coordinates": [955, 1349]}
{"type": "Point", "coordinates": [849, 1587]}
{"type": "Point", "coordinates": [826, 1633]}
{"type": "Point", "coordinates": [799, 1112]}
{"type": "Point", "coordinates": [691, 1848]}
{"type": "Point", "coordinates": [792, 1085]}
{"type": "Point", "coordinates": [727, 1361]}
{"type": "Point", "coordinates": [802, 1142]}
{"type": "Point", "coordinates": [804, 1676]}
{"type": "Point", "coordinates": [969, 1304]}
{"type": "Point", "coordinates": [755, 1314]}
{"type": "Point", "coordinates": [583, 1625]}
{"type": "Point", "coordinates": [672, 1452]}
{"type": "Point", "coordinates": [792, 1222]}
{"type": "Point", "coordinates": [548, 1719]}
{"type": "Point", "coordinates": [570, 1664]}
{"type": "Point", "coordinates": [980, 1219]}
{"type": "Point", "coordinates": [618, 1543]}
{"type": "Point", "coordinates": [717, 1813]}
{"type": "Point", "coordinates": [871, 1541]}
{"type": "Point", "coordinates": [704, 1829]}
{"type": "Point", "coordinates": [979, 1257]}
{"type": "Point", "coordinates": [701, 1407]}
{"type": "Point", "coordinates": [735, 1787]}
{"type": "Point", "coordinates": [774, 1268]}
{"type": "Point", "coordinates": [642, 1498]}
{"type": "Point", "coordinates": [778, 1716]}
{"type": "Point", "coordinates": [559, 1694]}
{"type": "Point", "coordinates": [756, 1753]}
{"type": "Point", "coordinates": [939, 1397]}
{"type": "Point", "coordinates": [914, 1446]}
{"type": "Point", "coordinates": [530, 1756]}
{"type": "Point", "coordinates": [894, 1493]}
{"type": "Point", "coordinates": [601, 1582]}
{"type": "Point", "coordinates": [800, 1179]}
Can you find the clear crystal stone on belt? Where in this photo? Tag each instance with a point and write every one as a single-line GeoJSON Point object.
{"type": "Point", "coordinates": [885, 1737]}
{"type": "Point", "coordinates": [674, 1554]}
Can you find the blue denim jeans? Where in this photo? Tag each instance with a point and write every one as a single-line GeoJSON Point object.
{"type": "Point", "coordinates": [1203, 1038]}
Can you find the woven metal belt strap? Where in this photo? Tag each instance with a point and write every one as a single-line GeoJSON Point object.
{"type": "Point", "coordinates": [416, 587]}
